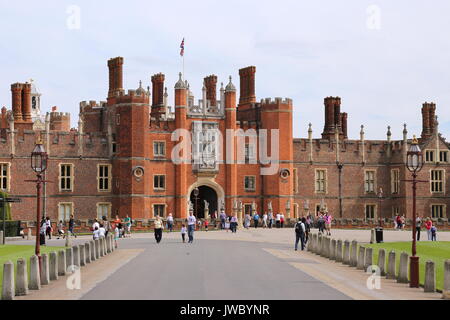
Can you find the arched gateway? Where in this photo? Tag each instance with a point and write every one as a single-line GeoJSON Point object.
{"type": "Point", "coordinates": [209, 191]}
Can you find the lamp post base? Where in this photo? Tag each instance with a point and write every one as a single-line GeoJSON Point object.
{"type": "Point", "coordinates": [414, 272]}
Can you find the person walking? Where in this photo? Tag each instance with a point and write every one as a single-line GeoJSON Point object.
{"type": "Point", "coordinates": [127, 221]}
{"type": "Point", "coordinates": [191, 227]}
{"type": "Point", "coordinates": [101, 232]}
{"type": "Point", "coordinates": [95, 225]}
{"type": "Point", "coordinates": [159, 226]}
{"type": "Point", "coordinates": [265, 220]}
{"type": "Point", "coordinates": [256, 220]}
{"type": "Point", "coordinates": [282, 220]}
{"type": "Point", "coordinates": [42, 231]}
{"type": "Point", "coordinates": [106, 225]}
{"type": "Point", "coordinates": [72, 226]}
{"type": "Point", "coordinates": [116, 234]}
{"type": "Point", "coordinates": [428, 226]}
{"type": "Point", "coordinates": [307, 224]}
{"type": "Point", "coordinates": [328, 223]}
{"type": "Point", "coordinates": [170, 222]}
{"type": "Point", "coordinates": [61, 230]}
{"type": "Point", "coordinates": [234, 223]}
{"type": "Point", "coordinates": [300, 233]}
{"type": "Point", "coordinates": [48, 230]}
{"type": "Point", "coordinates": [278, 220]}
{"type": "Point", "coordinates": [270, 218]}
{"type": "Point", "coordinates": [183, 232]}
{"type": "Point", "coordinates": [223, 216]}
{"type": "Point", "coordinates": [418, 227]}
{"type": "Point", "coordinates": [247, 220]}
{"type": "Point", "coordinates": [433, 233]}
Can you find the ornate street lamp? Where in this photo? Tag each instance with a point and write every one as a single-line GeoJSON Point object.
{"type": "Point", "coordinates": [380, 198]}
{"type": "Point", "coordinates": [196, 194]}
{"type": "Point", "coordinates": [414, 163]}
{"type": "Point", "coordinates": [39, 160]}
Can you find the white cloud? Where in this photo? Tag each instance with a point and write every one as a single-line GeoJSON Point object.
{"type": "Point", "coordinates": [305, 51]}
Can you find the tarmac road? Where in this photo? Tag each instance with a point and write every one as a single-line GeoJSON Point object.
{"type": "Point", "coordinates": [208, 270]}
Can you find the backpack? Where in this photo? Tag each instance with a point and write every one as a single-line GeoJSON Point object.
{"type": "Point", "coordinates": [298, 228]}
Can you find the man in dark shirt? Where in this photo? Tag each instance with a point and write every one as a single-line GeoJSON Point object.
{"type": "Point", "coordinates": [72, 225]}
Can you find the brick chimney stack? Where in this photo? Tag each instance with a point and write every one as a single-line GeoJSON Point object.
{"type": "Point", "coordinates": [248, 94]}
{"type": "Point", "coordinates": [16, 91]}
{"type": "Point", "coordinates": [115, 66]}
{"type": "Point", "coordinates": [211, 89]}
{"type": "Point", "coordinates": [344, 117]}
{"type": "Point", "coordinates": [428, 119]}
{"type": "Point", "coordinates": [26, 102]}
{"type": "Point", "coordinates": [158, 89]}
{"type": "Point", "coordinates": [332, 117]}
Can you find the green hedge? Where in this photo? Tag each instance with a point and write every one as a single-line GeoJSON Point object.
{"type": "Point", "coordinates": [12, 228]}
{"type": "Point", "coordinates": [7, 208]}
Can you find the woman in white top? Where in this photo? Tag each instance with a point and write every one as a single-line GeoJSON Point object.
{"type": "Point", "coordinates": [278, 220]}
{"type": "Point", "coordinates": [265, 220]}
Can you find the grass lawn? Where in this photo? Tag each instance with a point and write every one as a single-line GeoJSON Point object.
{"type": "Point", "coordinates": [437, 251]}
{"type": "Point", "coordinates": [12, 253]}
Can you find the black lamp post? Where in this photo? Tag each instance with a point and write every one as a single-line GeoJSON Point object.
{"type": "Point", "coordinates": [380, 198]}
{"type": "Point", "coordinates": [39, 159]}
{"type": "Point", "coordinates": [414, 163]}
{"type": "Point", "coordinates": [196, 194]}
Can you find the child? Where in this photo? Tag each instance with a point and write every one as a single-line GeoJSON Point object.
{"type": "Point", "coordinates": [433, 233]}
{"type": "Point", "coordinates": [61, 230]}
{"type": "Point", "coordinates": [183, 232]}
{"type": "Point", "coordinates": [96, 233]}
{"type": "Point", "coordinates": [206, 225]}
{"type": "Point", "coordinates": [199, 223]}
{"type": "Point", "coordinates": [116, 235]}
{"type": "Point", "coordinates": [102, 231]}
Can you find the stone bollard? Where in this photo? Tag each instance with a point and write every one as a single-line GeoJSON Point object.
{"type": "Point", "coordinates": [29, 234]}
{"type": "Point", "coordinates": [8, 289]}
{"type": "Point", "coordinates": [339, 251]}
{"type": "Point", "coordinates": [430, 277]}
{"type": "Point", "coordinates": [333, 249]}
{"type": "Point", "coordinates": [97, 249]}
{"type": "Point", "coordinates": [324, 251]}
{"type": "Point", "coordinates": [35, 277]}
{"type": "Point", "coordinates": [346, 257]}
{"type": "Point", "coordinates": [368, 259]}
{"type": "Point", "coordinates": [62, 266]}
{"type": "Point", "coordinates": [53, 266]}
{"type": "Point", "coordinates": [92, 248]}
{"type": "Point", "coordinates": [372, 236]}
{"type": "Point", "coordinates": [76, 255]}
{"type": "Point", "coordinates": [403, 269]}
{"type": "Point", "coordinates": [361, 255]}
{"type": "Point", "coordinates": [45, 272]}
{"type": "Point", "coordinates": [108, 244]}
{"type": "Point", "coordinates": [87, 252]}
{"type": "Point", "coordinates": [382, 261]}
{"type": "Point", "coordinates": [82, 255]}
{"type": "Point", "coordinates": [69, 259]}
{"type": "Point", "coordinates": [391, 266]}
{"type": "Point", "coordinates": [319, 244]}
{"type": "Point", "coordinates": [21, 278]}
{"type": "Point", "coordinates": [446, 287]}
{"type": "Point", "coordinates": [105, 246]}
{"type": "Point", "coordinates": [112, 243]}
{"type": "Point", "coordinates": [354, 254]}
{"type": "Point", "coordinates": [313, 243]}
{"type": "Point", "coordinates": [102, 247]}
{"type": "Point", "coordinates": [308, 245]}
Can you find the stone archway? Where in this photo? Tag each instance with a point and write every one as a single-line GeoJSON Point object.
{"type": "Point", "coordinates": [214, 186]}
{"type": "Point", "coordinates": [205, 194]}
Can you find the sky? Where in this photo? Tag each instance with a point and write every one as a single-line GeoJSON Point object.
{"type": "Point", "coordinates": [383, 58]}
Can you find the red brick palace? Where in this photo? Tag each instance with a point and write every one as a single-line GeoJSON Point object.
{"type": "Point", "coordinates": [120, 159]}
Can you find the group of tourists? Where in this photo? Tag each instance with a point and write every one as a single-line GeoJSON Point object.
{"type": "Point", "coordinates": [191, 222]}
{"type": "Point", "coordinates": [429, 227]}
